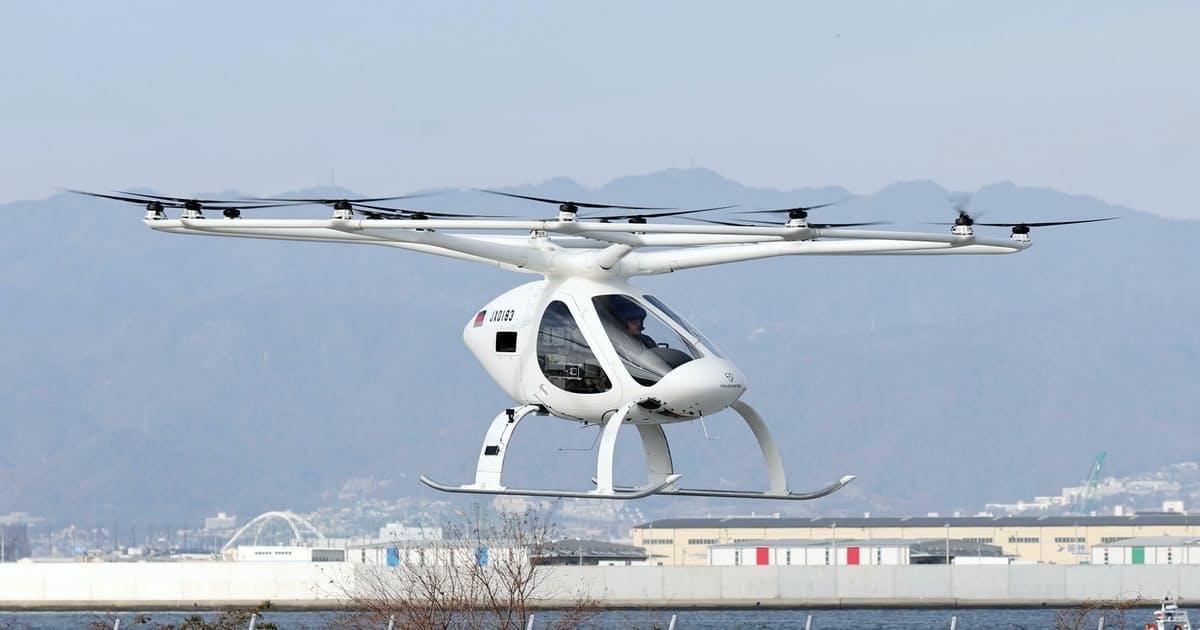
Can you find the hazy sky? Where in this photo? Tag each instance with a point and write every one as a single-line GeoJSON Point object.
{"type": "Point", "coordinates": [1087, 97]}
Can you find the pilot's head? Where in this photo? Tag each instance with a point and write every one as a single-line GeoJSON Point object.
{"type": "Point", "coordinates": [633, 316]}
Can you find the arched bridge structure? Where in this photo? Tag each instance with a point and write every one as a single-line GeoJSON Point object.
{"type": "Point", "coordinates": [302, 531]}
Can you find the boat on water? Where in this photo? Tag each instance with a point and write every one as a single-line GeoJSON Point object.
{"type": "Point", "coordinates": [1169, 616]}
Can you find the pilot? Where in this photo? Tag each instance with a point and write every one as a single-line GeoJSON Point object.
{"type": "Point", "coordinates": [634, 318]}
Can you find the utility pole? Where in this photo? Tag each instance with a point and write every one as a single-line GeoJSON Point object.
{"type": "Point", "coordinates": [835, 561]}
{"type": "Point", "coordinates": [947, 542]}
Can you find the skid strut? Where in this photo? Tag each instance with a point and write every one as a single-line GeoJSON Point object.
{"type": "Point", "coordinates": [659, 464]}
{"type": "Point", "coordinates": [490, 468]}
{"type": "Point", "coordinates": [661, 476]}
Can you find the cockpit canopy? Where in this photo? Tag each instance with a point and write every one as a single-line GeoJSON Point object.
{"type": "Point", "coordinates": [650, 344]}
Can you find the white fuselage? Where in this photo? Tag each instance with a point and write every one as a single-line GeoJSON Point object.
{"type": "Point", "coordinates": [575, 346]}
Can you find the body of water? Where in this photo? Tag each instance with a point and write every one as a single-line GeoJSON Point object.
{"type": "Point", "coordinates": [822, 619]}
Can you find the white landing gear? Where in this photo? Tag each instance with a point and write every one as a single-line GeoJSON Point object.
{"type": "Point", "coordinates": [495, 448]}
{"type": "Point", "coordinates": [661, 475]}
{"type": "Point", "coordinates": [659, 464]}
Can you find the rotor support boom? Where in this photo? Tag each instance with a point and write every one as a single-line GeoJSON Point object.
{"type": "Point", "coordinates": [689, 246]}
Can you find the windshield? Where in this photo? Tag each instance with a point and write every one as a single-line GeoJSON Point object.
{"type": "Point", "coordinates": [708, 345]}
{"type": "Point", "coordinates": [648, 347]}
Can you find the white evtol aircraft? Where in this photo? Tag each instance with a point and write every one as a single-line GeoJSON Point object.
{"type": "Point", "coordinates": [581, 343]}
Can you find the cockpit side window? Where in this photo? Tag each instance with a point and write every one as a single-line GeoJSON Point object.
{"type": "Point", "coordinates": [648, 347]}
{"type": "Point", "coordinates": [565, 357]}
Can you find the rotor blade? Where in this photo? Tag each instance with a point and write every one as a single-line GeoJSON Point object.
{"type": "Point", "coordinates": [819, 226]}
{"type": "Point", "coordinates": [185, 199]}
{"type": "Point", "coordinates": [331, 200]}
{"type": "Point", "coordinates": [224, 205]}
{"type": "Point", "coordinates": [403, 211]}
{"type": "Point", "coordinates": [1047, 223]}
{"type": "Point", "coordinates": [580, 204]}
{"type": "Point", "coordinates": [412, 196]}
{"type": "Point", "coordinates": [729, 223]}
{"type": "Point", "coordinates": [823, 226]}
{"type": "Point", "coordinates": [764, 223]}
{"type": "Point", "coordinates": [208, 204]}
{"type": "Point", "coordinates": [119, 198]}
{"type": "Point", "coordinates": [650, 215]}
{"type": "Point", "coordinates": [796, 209]}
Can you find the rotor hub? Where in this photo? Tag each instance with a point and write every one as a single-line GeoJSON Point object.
{"type": "Point", "coordinates": [342, 204]}
{"type": "Point", "coordinates": [192, 204]}
{"type": "Point", "coordinates": [1020, 229]}
{"type": "Point", "coordinates": [964, 219]}
{"type": "Point", "coordinates": [638, 220]}
{"type": "Point", "coordinates": [232, 213]}
{"type": "Point", "coordinates": [798, 214]}
{"type": "Point", "coordinates": [154, 211]}
{"type": "Point", "coordinates": [568, 207]}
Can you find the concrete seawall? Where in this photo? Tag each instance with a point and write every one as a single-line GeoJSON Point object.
{"type": "Point", "coordinates": [329, 585]}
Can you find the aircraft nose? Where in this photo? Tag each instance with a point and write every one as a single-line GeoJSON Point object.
{"type": "Point", "coordinates": [699, 388]}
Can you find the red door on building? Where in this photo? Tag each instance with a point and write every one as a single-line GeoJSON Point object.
{"type": "Point", "coordinates": [851, 555]}
{"type": "Point", "coordinates": [762, 556]}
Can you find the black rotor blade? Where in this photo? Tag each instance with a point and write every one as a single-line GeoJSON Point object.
{"type": "Point", "coordinates": [763, 223]}
{"type": "Point", "coordinates": [429, 213]}
{"type": "Point", "coordinates": [330, 200]}
{"type": "Point", "coordinates": [168, 204]}
{"type": "Point", "coordinates": [186, 199]}
{"type": "Point", "coordinates": [824, 226]}
{"type": "Point", "coordinates": [412, 196]}
{"type": "Point", "coordinates": [1046, 223]}
{"type": "Point", "coordinates": [651, 215]}
{"type": "Point", "coordinates": [796, 209]}
{"type": "Point", "coordinates": [560, 202]}
{"type": "Point", "coordinates": [716, 222]}
{"type": "Point", "coordinates": [224, 205]}
{"type": "Point", "coordinates": [819, 226]}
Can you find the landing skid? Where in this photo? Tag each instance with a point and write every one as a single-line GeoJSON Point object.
{"type": "Point", "coordinates": [619, 493]}
{"type": "Point", "coordinates": [660, 467]}
{"type": "Point", "coordinates": [753, 494]}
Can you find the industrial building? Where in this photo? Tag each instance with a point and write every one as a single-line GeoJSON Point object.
{"type": "Point", "coordinates": [442, 553]}
{"type": "Point", "coordinates": [1149, 550]}
{"type": "Point", "coordinates": [1044, 539]}
{"type": "Point", "coordinates": [875, 552]}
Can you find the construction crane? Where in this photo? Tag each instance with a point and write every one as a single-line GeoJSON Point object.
{"type": "Point", "coordinates": [1088, 500]}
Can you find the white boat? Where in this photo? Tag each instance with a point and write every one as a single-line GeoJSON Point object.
{"type": "Point", "coordinates": [1169, 616]}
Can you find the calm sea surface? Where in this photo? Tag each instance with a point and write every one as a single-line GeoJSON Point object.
{"type": "Point", "coordinates": [687, 619]}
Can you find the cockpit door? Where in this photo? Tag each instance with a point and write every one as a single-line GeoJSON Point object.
{"type": "Point", "coordinates": [571, 377]}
